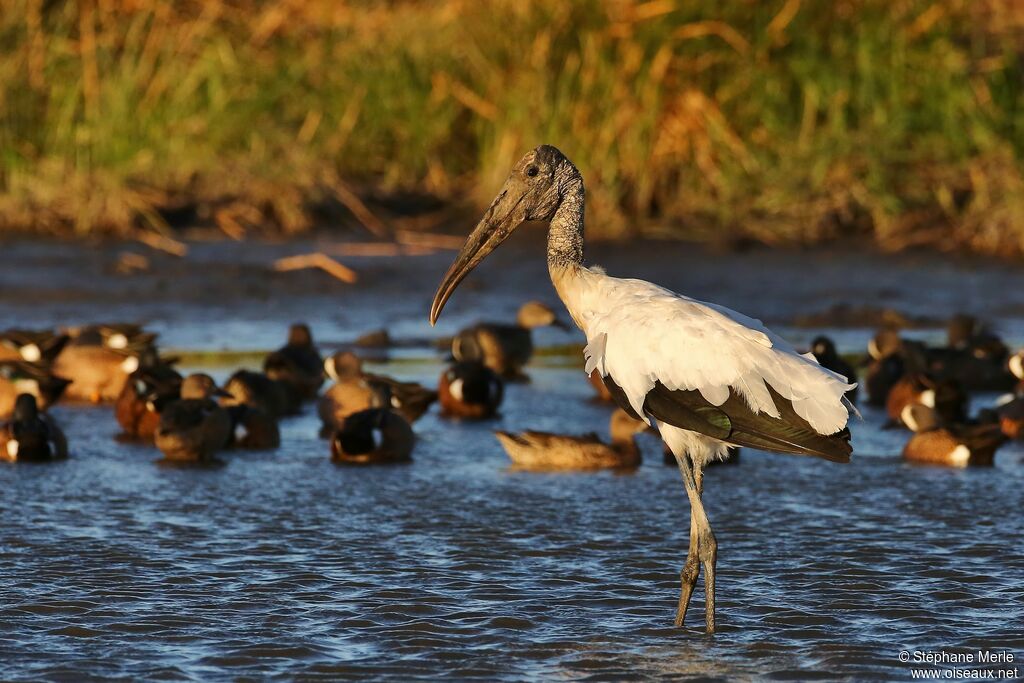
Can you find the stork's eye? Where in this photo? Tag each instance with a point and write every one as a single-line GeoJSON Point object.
{"type": "Point", "coordinates": [532, 171]}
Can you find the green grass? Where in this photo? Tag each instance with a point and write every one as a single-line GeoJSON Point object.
{"type": "Point", "coordinates": [782, 122]}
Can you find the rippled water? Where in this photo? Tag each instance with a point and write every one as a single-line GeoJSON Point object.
{"type": "Point", "coordinates": [285, 565]}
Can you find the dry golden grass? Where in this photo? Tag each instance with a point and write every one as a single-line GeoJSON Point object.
{"type": "Point", "coordinates": [783, 122]}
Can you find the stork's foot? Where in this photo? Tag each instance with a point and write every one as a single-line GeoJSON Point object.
{"type": "Point", "coordinates": [707, 550]}
{"type": "Point", "coordinates": [688, 581]}
{"type": "Point", "coordinates": [703, 551]}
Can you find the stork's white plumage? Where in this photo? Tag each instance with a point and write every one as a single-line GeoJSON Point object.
{"type": "Point", "coordinates": [709, 376]}
{"type": "Point", "coordinates": [639, 333]}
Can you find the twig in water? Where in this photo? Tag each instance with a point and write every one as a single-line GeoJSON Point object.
{"type": "Point", "coordinates": [317, 260]}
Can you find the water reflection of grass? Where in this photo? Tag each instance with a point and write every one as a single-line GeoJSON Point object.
{"type": "Point", "coordinates": [568, 355]}
{"type": "Point", "coordinates": [219, 358]}
{"type": "Point", "coordinates": [557, 356]}
{"type": "Point", "coordinates": [785, 121]}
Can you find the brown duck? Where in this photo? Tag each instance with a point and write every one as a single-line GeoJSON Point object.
{"type": "Point", "coordinates": [354, 390]}
{"type": "Point", "coordinates": [890, 358]}
{"type": "Point", "coordinates": [505, 348]}
{"type": "Point", "coordinates": [297, 363]}
{"type": "Point", "coordinates": [546, 451]}
{"type": "Point", "coordinates": [945, 396]}
{"type": "Point", "coordinates": [97, 373]}
{"type": "Point", "coordinates": [195, 427]}
{"type": "Point", "coordinates": [274, 398]}
{"type": "Point", "coordinates": [154, 385]}
{"type": "Point", "coordinates": [954, 445]}
{"type": "Point", "coordinates": [252, 429]}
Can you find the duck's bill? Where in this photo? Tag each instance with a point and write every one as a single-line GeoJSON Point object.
{"type": "Point", "coordinates": [504, 215]}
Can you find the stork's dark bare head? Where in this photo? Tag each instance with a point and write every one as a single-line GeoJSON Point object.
{"type": "Point", "coordinates": [533, 192]}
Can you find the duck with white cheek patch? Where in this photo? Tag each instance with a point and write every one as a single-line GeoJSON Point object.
{"type": "Point", "coordinates": [470, 390]}
{"type": "Point", "coordinates": [31, 436]}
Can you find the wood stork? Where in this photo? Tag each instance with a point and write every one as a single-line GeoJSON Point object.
{"type": "Point", "coordinates": [708, 376]}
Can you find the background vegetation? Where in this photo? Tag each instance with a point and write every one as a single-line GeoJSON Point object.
{"type": "Point", "coordinates": [785, 121]}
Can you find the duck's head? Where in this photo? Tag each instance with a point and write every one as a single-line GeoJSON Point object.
{"type": "Point", "coordinates": [919, 417]}
{"type": "Point", "coordinates": [1016, 364]}
{"type": "Point", "coordinates": [343, 365]}
{"type": "Point", "coordinates": [299, 334]}
{"type": "Point", "coordinates": [535, 314]}
{"type": "Point", "coordinates": [886, 342]}
{"type": "Point", "coordinates": [961, 329]}
{"type": "Point", "coordinates": [533, 191]}
{"type": "Point", "coordinates": [622, 425]}
{"type": "Point", "coordinates": [25, 408]}
{"type": "Point", "coordinates": [823, 347]}
{"type": "Point", "coordinates": [200, 386]}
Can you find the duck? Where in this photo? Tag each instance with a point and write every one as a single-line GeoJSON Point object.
{"type": "Point", "coordinates": [546, 451]}
{"type": "Point", "coordinates": [351, 392]}
{"type": "Point", "coordinates": [1009, 412]}
{"type": "Point", "coordinates": [34, 346]}
{"type": "Point", "coordinates": [253, 429]}
{"type": "Point", "coordinates": [195, 427]}
{"type": "Point", "coordinates": [1015, 364]}
{"type": "Point", "coordinates": [974, 357]}
{"type": "Point", "coordinates": [355, 389]}
{"type": "Point", "coordinates": [373, 436]}
{"type": "Point", "coordinates": [21, 377]}
{"type": "Point", "coordinates": [889, 358]}
{"type": "Point", "coordinates": [968, 334]}
{"type": "Point", "coordinates": [505, 348]}
{"type": "Point", "coordinates": [298, 363]}
{"type": "Point", "coordinates": [945, 396]}
{"type": "Point", "coordinates": [151, 387]}
{"type": "Point", "coordinates": [411, 400]}
{"type": "Point", "coordinates": [257, 390]}
{"type": "Point", "coordinates": [470, 389]}
{"type": "Point", "coordinates": [885, 342]}
{"type": "Point", "coordinates": [31, 435]}
{"type": "Point", "coordinates": [98, 373]}
{"type": "Point", "coordinates": [118, 336]}
{"type": "Point", "coordinates": [954, 444]}
{"type": "Point", "coordinates": [601, 393]}
{"type": "Point", "coordinates": [824, 351]}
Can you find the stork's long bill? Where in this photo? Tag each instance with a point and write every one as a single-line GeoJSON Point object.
{"type": "Point", "coordinates": [504, 215]}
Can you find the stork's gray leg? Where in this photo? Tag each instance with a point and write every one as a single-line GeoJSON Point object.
{"type": "Point", "coordinates": [688, 576]}
{"type": "Point", "coordinates": [707, 551]}
{"type": "Point", "coordinates": [703, 546]}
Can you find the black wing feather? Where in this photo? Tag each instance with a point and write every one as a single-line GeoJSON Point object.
{"type": "Point", "coordinates": [735, 423]}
